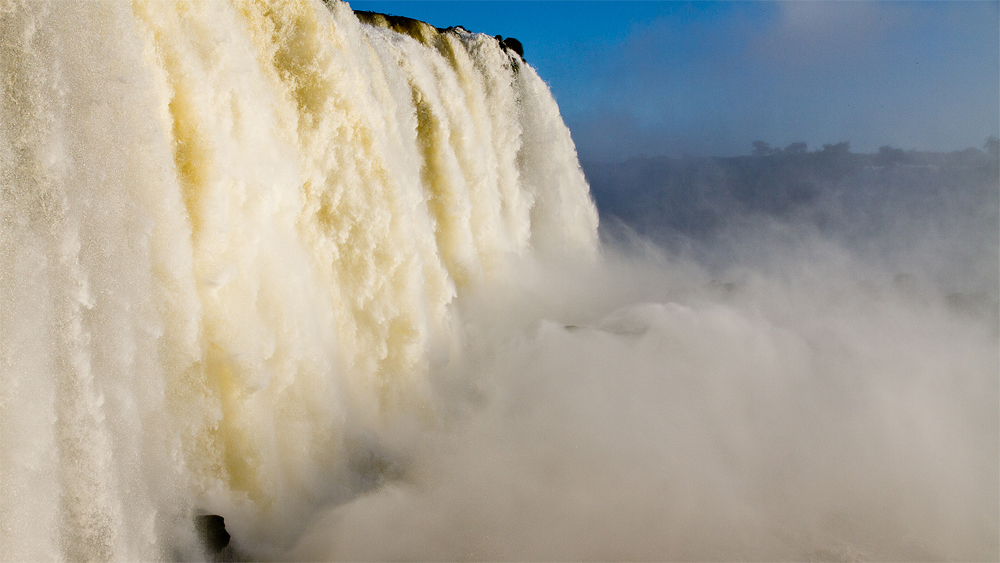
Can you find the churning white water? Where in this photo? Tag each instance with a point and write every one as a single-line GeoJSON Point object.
{"type": "Point", "coordinates": [342, 286]}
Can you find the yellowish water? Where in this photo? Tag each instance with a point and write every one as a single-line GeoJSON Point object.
{"type": "Point", "coordinates": [232, 229]}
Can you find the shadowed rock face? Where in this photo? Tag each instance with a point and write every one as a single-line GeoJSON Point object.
{"type": "Point", "coordinates": [216, 540]}
{"type": "Point", "coordinates": [425, 32]}
{"type": "Point", "coordinates": [421, 31]}
{"type": "Point", "coordinates": [212, 532]}
{"type": "Point", "coordinates": [512, 44]}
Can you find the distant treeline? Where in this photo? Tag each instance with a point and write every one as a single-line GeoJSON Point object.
{"type": "Point", "coordinates": [886, 155]}
{"type": "Point", "coordinates": [694, 198]}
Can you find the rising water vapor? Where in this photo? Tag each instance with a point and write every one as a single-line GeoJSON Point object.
{"type": "Point", "coordinates": [648, 411]}
{"type": "Point", "coordinates": [341, 284]}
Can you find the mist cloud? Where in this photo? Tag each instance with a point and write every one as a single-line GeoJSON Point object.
{"type": "Point", "coordinates": [799, 399]}
{"type": "Point", "coordinates": [650, 414]}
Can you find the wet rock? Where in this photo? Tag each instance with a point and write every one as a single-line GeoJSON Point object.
{"type": "Point", "coordinates": [511, 45]}
{"type": "Point", "coordinates": [212, 532]}
{"type": "Point", "coordinates": [514, 45]}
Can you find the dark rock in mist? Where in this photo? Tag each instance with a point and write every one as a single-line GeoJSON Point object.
{"type": "Point", "coordinates": [212, 532]}
{"type": "Point", "coordinates": [372, 464]}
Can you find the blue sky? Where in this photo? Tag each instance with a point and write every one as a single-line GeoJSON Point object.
{"type": "Point", "coordinates": [709, 78]}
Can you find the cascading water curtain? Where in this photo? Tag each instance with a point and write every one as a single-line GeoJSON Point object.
{"type": "Point", "coordinates": [232, 233]}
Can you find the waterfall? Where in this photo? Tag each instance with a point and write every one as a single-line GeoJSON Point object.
{"type": "Point", "coordinates": [332, 280]}
{"type": "Point", "coordinates": [233, 234]}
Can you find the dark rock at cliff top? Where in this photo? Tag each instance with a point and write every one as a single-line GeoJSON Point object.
{"type": "Point", "coordinates": [513, 45]}
{"type": "Point", "coordinates": [425, 32]}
